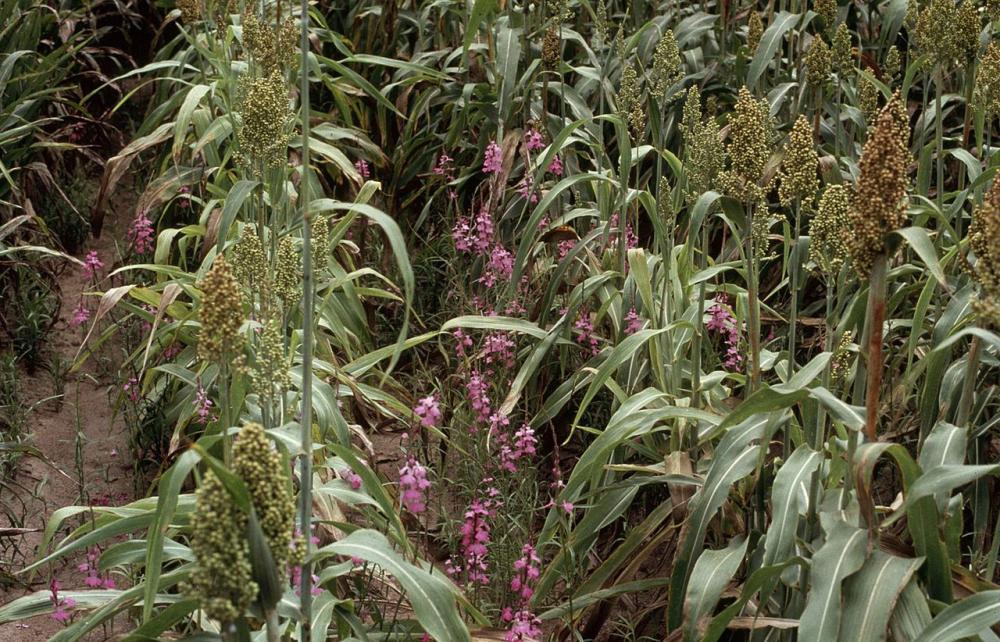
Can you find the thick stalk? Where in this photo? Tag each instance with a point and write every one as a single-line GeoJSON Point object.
{"type": "Point", "coordinates": [793, 312]}
{"type": "Point", "coordinates": [699, 326]}
{"type": "Point", "coordinates": [876, 319]}
{"type": "Point", "coordinates": [273, 626]}
{"type": "Point", "coordinates": [753, 305]}
{"type": "Point", "coordinates": [305, 460]}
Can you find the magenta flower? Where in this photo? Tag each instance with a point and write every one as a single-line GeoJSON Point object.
{"type": "Point", "coordinates": [524, 627]}
{"type": "Point", "coordinates": [202, 404]}
{"type": "Point", "coordinates": [533, 140]}
{"type": "Point", "coordinates": [556, 166]}
{"type": "Point", "coordinates": [444, 168]}
{"type": "Point", "coordinates": [477, 388]}
{"type": "Point", "coordinates": [352, 478]}
{"type": "Point", "coordinates": [526, 571]}
{"type": "Point", "coordinates": [633, 322]}
{"type": "Point", "coordinates": [526, 189]}
{"type": "Point", "coordinates": [492, 158]}
{"type": "Point", "coordinates": [429, 411]}
{"type": "Point", "coordinates": [141, 234]}
{"type": "Point", "coordinates": [586, 336]}
{"type": "Point", "coordinates": [498, 347]}
{"type": "Point", "coordinates": [61, 607]}
{"type": "Point", "coordinates": [362, 166]}
{"type": "Point", "coordinates": [80, 316]}
{"type": "Point", "coordinates": [92, 265]}
{"type": "Point", "coordinates": [413, 483]}
{"type": "Point", "coordinates": [463, 342]}
{"type": "Point", "coordinates": [475, 542]}
{"type": "Point", "coordinates": [499, 268]}
{"type": "Point", "coordinates": [722, 321]}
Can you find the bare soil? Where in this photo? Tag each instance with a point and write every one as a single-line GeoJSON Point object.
{"type": "Point", "coordinates": [84, 443]}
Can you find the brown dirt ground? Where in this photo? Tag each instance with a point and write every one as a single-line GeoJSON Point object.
{"type": "Point", "coordinates": [106, 470]}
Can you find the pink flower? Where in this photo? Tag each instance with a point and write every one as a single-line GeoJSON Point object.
{"type": "Point", "coordinates": [565, 247]}
{"type": "Point", "coordinates": [498, 347]}
{"type": "Point", "coordinates": [533, 140]}
{"type": "Point", "coordinates": [631, 240]}
{"type": "Point", "coordinates": [202, 404]}
{"type": "Point", "coordinates": [444, 168]}
{"type": "Point", "coordinates": [477, 390]}
{"type": "Point", "coordinates": [92, 265]}
{"type": "Point", "coordinates": [80, 316]}
{"type": "Point", "coordinates": [721, 320]}
{"type": "Point", "coordinates": [314, 588]}
{"type": "Point", "coordinates": [352, 478]}
{"type": "Point", "coordinates": [526, 571]}
{"type": "Point", "coordinates": [556, 166]}
{"type": "Point", "coordinates": [492, 158]}
{"type": "Point", "coordinates": [462, 342]}
{"type": "Point", "coordinates": [362, 166]}
{"type": "Point", "coordinates": [429, 411]}
{"type": "Point", "coordinates": [633, 322]}
{"type": "Point", "coordinates": [60, 606]}
{"type": "Point", "coordinates": [475, 542]}
{"type": "Point", "coordinates": [499, 267]}
{"type": "Point", "coordinates": [586, 335]}
{"type": "Point", "coordinates": [526, 189]}
{"type": "Point", "coordinates": [131, 388]}
{"type": "Point", "coordinates": [413, 483]}
{"type": "Point", "coordinates": [568, 507]}
{"type": "Point", "coordinates": [524, 626]}
{"type": "Point", "coordinates": [141, 234]}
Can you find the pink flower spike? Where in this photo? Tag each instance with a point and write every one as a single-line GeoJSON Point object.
{"type": "Point", "coordinates": [568, 507]}
{"type": "Point", "coordinates": [533, 140]}
{"type": "Point", "coordinates": [80, 316]}
{"type": "Point", "coordinates": [492, 161]}
{"type": "Point", "coordinates": [362, 166]}
{"type": "Point", "coordinates": [92, 265]}
{"type": "Point", "coordinates": [413, 484]}
{"type": "Point", "coordinates": [429, 411]}
{"type": "Point", "coordinates": [556, 166]}
{"type": "Point", "coordinates": [141, 234]}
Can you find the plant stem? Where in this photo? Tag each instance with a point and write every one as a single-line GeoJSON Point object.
{"type": "Point", "coordinates": [305, 468]}
{"type": "Point", "coordinates": [969, 384]}
{"type": "Point", "coordinates": [876, 319]}
{"type": "Point", "coordinates": [939, 135]}
{"type": "Point", "coordinates": [753, 305]}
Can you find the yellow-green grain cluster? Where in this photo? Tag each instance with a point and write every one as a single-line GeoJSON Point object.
{"type": "Point", "coordinates": [220, 313]}
{"type": "Point", "coordinates": [986, 95]}
{"type": "Point", "coordinates": [288, 273]}
{"type": "Point", "coordinates": [667, 68]}
{"type": "Point", "coordinates": [265, 117]}
{"type": "Point", "coordinates": [841, 52]}
{"type": "Point", "coordinates": [868, 96]}
{"type": "Point", "coordinates": [755, 30]}
{"type": "Point", "coordinates": [818, 63]}
{"type": "Point", "coordinates": [704, 157]}
{"type": "Point", "coordinates": [272, 47]}
{"type": "Point", "coordinates": [222, 577]}
{"type": "Point", "coordinates": [798, 180]}
{"type": "Point", "coordinates": [984, 240]}
{"type": "Point", "coordinates": [551, 48]}
{"type": "Point", "coordinates": [827, 232]}
{"type": "Point", "coordinates": [751, 133]}
{"type": "Point", "coordinates": [263, 470]}
{"type": "Point", "coordinates": [878, 205]}
{"type": "Point", "coordinates": [630, 104]}
{"type": "Point", "coordinates": [827, 11]}
{"type": "Point", "coordinates": [270, 374]}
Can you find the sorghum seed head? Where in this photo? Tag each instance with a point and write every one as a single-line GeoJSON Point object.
{"type": "Point", "coordinates": [270, 375]}
{"type": "Point", "coordinates": [798, 179]}
{"type": "Point", "coordinates": [878, 205]}
{"type": "Point", "coordinates": [190, 11]}
{"type": "Point", "coordinates": [840, 365]}
{"type": "Point", "coordinates": [667, 66]}
{"type": "Point", "coordinates": [221, 314]}
{"type": "Point", "coordinates": [868, 96]}
{"type": "Point", "coordinates": [912, 14]}
{"type": "Point", "coordinates": [265, 115]}
{"type": "Point", "coordinates": [938, 31]}
{"type": "Point", "coordinates": [551, 48]}
{"type": "Point", "coordinates": [818, 63]}
{"type": "Point", "coordinates": [755, 29]}
{"type": "Point", "coordinates": [993, 10]}
{"type": "Point", "coordinates": [320, 234]}
{"type": "Point", "coordinates": [984, 239]}
{"type": "Point", "coordinates": [986, 96]}
{"type": "Point", "coordinates": [271, 47]}
{"type": "Point", "coordinates": [968, 29]}
{"type": "Point", "coordinates": [288, 273]}
{"type": "Point", "coordinates": [705, 158]}
{"type": "Point", "coordinates": [827, 10]}
{"type": "Point", "coordinates": [827, 232]}
{"type": "Point", "coordinates": [751, 135]}
{"type": "Point", "coordinates": [601, 25]}
{"type": "Point", "coordinates": [222, 578]}
{"type": "Point", "coordinates": [263, 470]}
{"type": "Point", "coordinates": [892, 63]}
{"type": "Point", "coordinates": [841, 52]}
{"type": "Point", "coordinates": [630, 104]}
{"type": "Point", "coordinates": [248, 259]}
{"type": "Point", "coordinates": [663, 205]}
